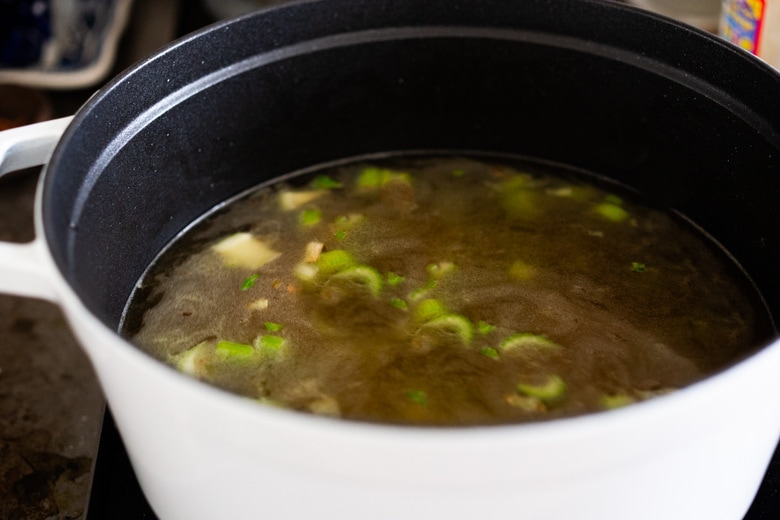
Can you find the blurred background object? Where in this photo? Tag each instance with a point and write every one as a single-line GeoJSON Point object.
{"type": "Point", "coordinates": [59, 44]}
{"type": "Point", "coordinates": [753, 25]}
{"type": "Point", "coordinates": [703, 14]}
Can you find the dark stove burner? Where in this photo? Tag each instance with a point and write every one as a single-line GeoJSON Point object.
{"type": "Point", "coordinates": [116, 495]}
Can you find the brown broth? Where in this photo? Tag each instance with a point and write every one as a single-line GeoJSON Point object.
{"type": "Point", "coordinates": [463, 291]}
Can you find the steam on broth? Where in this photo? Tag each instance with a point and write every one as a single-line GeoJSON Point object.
{"type": "Point", "coordinates": [445, 291]}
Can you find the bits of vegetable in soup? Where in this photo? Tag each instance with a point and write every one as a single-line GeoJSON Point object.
{"type": "Point", "coordinates": [445, 291]}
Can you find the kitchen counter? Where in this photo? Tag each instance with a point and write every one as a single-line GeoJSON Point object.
{"type": "Point", "coordinates": [51, 407]}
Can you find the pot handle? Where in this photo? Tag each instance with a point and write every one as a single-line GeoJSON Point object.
{"type": "Point", "coordinates": [30, 145]}
{"type": "Point", "coordinates": [24, 268]}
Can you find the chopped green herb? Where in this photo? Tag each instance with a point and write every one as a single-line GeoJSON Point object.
{"type": "Point", "coordinates": [310, 217]}
{"type": "Point", "coordinates": [525, 341]}
{"type": "Point", "coordinates": [453, 324]}
{"type": "Point", "coordinates": [340, 234]}
{"type": "Point", "coordinates": [393, 279]}
{"type": "Point", "coordinates": [484, 327]}
{"type": "Point", "coordinates": [273, 327]}
{"type": "Point", "coordinates": [638, 267]}
{"type": "Point", "coordinates": [362, 275]}
{"type": "Point", "coordinates": [458, 172]}
{"type": "Point", "coordinates": [232, 350]}
{"type": "Point", "coordinates": [334, 261]}
{"type": "Point", "coordinates": [548, 392]}
{"type": "Point", "coordinates": [489, 352]}
{"type": "Point", "coordinates": [249, 282]}
{"type": "Point", "coordinates": [429, 309]}
{"type": "Point", "coordinates": [399, 303]}
{"type": "Point", "coordinates": [323, 182]}
{"type": "Point", "coordinates": [417, 396]}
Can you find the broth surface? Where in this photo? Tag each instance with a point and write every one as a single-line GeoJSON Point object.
{"type": "Point", "coordinates": [445, 291]}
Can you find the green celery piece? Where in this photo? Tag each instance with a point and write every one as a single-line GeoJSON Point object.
{"type": "Point", "coordinates": [233, 351]}
{"type": "Point", "coordinates": [526, 341]}
{"type": "Point", "coordinates": [362, 275]}
{"type": "Point", "coordinates": [454, 324]}
{"type": "Point", "coordinates": [273, 327]}
{"type": "Point", "coordinates": [331, 262]}
{"type": "Point", "coordinates": [550, 391]}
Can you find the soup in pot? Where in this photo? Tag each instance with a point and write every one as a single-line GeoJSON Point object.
{"type": "Point", "coordinates": [444, 290]}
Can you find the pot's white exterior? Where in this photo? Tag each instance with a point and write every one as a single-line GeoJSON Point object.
{"type": "Point", "coordinates": [201, 454]}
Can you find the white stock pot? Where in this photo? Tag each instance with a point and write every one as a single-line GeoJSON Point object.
{"type": "Point", "coordinates": [659, 106]}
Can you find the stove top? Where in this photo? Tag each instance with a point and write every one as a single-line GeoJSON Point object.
{"type": "Point", "coordinates": [116, 494]}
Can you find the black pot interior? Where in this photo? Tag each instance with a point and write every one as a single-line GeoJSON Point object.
{"type": "Point", "coordinates": [682, 117]}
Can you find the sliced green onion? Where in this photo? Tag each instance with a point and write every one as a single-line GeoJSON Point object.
{"type": "Point", "coordinates": [310, 217]}
{"type": "Point", "coordinates": [484, 327]}
{"type": "Point", "coordinates": [269, 345]}
{"type": "Point", "coordinates": [418, 396]}
{"type": "Point", "coordinates": [429, 309]}
{"type": "Point", "coordinates": [323, 182]}
{"type": "Point", "coordinates": [611, 212]}
{"type": "Point", "coordinates": [362, 275]}
{"type": "Point", "coordinates": [398, 303]}
{"type": "Point", "coordinates": [525, 341]}
{"type": "Point", "coordinates": [340, 234]}
{"type": "Point", "coordinates": [422, 292]}
{"type": "Point", "coordinates": [393, 279]}
{"type": "Point", "coordinates": [638, 267]}
{"type": "Point", "coordinates": [520, 270]}
{"type": "Point", "coordinates": [334, 261]}
{"type": "Point", "coordinates": [611, 402]}
{"type": "Point", "coordinates": [455, 324]}
{"type": "Point", "coordinates": [489, 352]}
{"type": "Point", "coordinates": [548, 392]}
{"type": "Point", "coordinates": [440, 269]}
